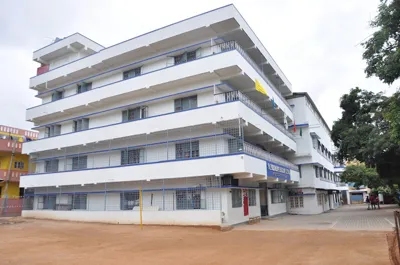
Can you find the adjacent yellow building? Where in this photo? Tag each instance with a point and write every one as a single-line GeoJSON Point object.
{"type": "Point", "coordinates": [12, 162]}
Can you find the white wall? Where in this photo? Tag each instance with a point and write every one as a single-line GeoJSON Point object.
{"type": "Point", "coordinates": [182, 217]}
{"type": "Point", "coordinates": [276, 208]}
{"type": "Point", "coordinates": [236, 215]}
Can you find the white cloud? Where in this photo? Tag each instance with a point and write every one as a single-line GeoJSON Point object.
{"type": "Point", "coordinates": [313, 41]}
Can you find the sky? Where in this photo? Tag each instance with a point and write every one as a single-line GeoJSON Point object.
{"type": "Point", "coordinates": [316, 43]}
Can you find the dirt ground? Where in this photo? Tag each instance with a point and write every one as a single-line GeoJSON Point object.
{"type": "Point", "coordinates": [53, 242]}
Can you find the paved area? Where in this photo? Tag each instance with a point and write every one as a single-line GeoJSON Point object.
{"type": "Point", "coordinates": [348, 218]}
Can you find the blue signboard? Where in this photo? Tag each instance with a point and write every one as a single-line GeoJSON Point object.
{"type": "Point", "coordinates": [277, 171]}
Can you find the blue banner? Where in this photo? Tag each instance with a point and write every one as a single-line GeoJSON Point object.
{"type": "Point", "coordinates": [277, 171]}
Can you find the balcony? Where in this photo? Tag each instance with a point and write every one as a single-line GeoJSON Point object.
{"type": "Point", "coordinates": [211, 154]}
{"type": "Point", "coordinates": [239, 96]}
{"type": "Point", "coordinates": [226, 106]}
{"type": "Point", "coordinates": [14, 175]}
{"type": "Point", "coordinates": [225, 21]}
{"type": "Point", "coordinates": [10, 146]}
{"type": "Point", "coordinates": [168, 74]}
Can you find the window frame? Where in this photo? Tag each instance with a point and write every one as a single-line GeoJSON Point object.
{"type": "Point", "coordinates": [278, 196]}
{"type": "Point", "coordinates": [83, 87]}
{"type": "Point", "coordinates": [79, 124]}
{"type": "Point", "coordinates": [129, 114]}
{"type": "Point", "coordinates": [187, 150]}
{"type": "Point", "coordinates": [57, 95]}
{"type": "Point", "coordinates": [237, 198]}
{"type": "Point", "coordinates": [53, 130]}
{"type": "Point", "coordinates": [136, 72]}
{"type": "Point", "coordinates": [252, 197]}
{"type": "Point", "coordinates": [180, 103]}
{"type": "Point", "coordinates": [79, 162]}
{"type": "Point", "coordinates": [132, 156]}
{"type": "Point", "coordinates": [51, 166]}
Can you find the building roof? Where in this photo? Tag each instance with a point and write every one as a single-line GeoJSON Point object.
{"type": "Point", "coordinates": [305, 94]}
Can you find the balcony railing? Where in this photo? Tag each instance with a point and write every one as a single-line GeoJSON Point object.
{"type": "Point", "coordinates": [239, 96]}
{"type": "Point", "coordinates": [258, 152]}
{"type": "Point", "coordinates": [215, 49]}
{"type": "Point", "coordinates": [212, 145]}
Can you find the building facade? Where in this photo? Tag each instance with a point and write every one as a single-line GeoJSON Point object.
{"type": "Point", "coordinates": [13, 164]}
{"type": "Point", "coordinates": [319, 186]}
{"type": "Point", "coordinates": [191, 119]}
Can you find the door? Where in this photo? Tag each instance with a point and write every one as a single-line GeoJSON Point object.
{"type": "Point", "coordinates": [245, 202]}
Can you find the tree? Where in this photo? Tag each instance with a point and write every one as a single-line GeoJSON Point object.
{"type": "Point", "coordinates": [361, 175]}
{"type": "Point", "coordinates": [382, 50]}
{"type": "Point", "coordinates": [392, 115]}
{"type": "Point", "coordinates": [363, 133]}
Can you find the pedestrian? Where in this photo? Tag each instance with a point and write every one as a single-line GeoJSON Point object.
{"type": "Point", "coordinates": [372, 201]}
{"type": "Point", "coordinates": [368, 202]}
{"type": "Point", "coordinates": [377, 202]}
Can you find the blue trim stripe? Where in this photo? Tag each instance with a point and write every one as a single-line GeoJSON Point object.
{"type": "Point", "coordinates": [128, 105]}
{"type": "Point", "coordinates": [139, 35]}
{"type": "Point", "coordinates": [125, 66]}
{"type": "Point", "coordinates": [148, 163]}
{"type": "Point", "coordinates": [155, 116]}
{"type": "Point", "coordinates": [129, 147]}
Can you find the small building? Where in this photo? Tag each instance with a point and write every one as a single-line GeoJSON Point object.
{"type": "Point", "coordinates": [13, 164]}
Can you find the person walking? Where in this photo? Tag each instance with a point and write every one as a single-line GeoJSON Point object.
{"type": "Point", "coordinates": [368, 202]}
{"type": "Point", "coordinates": [377, 202]}
{"type": "Point", "coordinates": [372, 201]}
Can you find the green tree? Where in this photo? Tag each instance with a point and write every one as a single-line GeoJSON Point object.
{"type": "Point", "coordinates": [382, 54]}
{"type": "Point", "coordinates": [363, 133]}
{"type": "Point", "coordinates": [361, 175]}
{"type": "Point", "coordinates": [382, 49]}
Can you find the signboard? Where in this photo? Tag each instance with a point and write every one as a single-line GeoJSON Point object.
{"type": "Point", "coordinates": [277, 171]}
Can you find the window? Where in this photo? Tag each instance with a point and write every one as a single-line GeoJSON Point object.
{"type": "Point", "coordinates": [132, 73]}
{"type": "Point", "coordinates": [278, 196]}
{"type": "Point", "coordinates": [19, 165]}
{"type": "Point", "coordinates": [83, 87]}
{"type": "Point", "coordinates": [79, 162]}
{"type": "Point", "coordinates": [190, 56]}
{"type": "Point", "coordinates": [235, 145]}
{"type": "Point", "coordinates": [47, 202]}
{"type": "Point", "coordinates": [79, 201]}
{"type": "Point", "coordinates": [324, 173]}
{"type": "Point", "coordinates": [296, 202]}
{"type": "Point", "coordinates": [316, 171]}
{"type": "Point", "coordinates": [129, 200]}
{"type": "Point", "coordinates": [320, 172]}
{"type": "Point", "coordinates": [51, 166]}
{"type": "Point", "coordinates": [53, 130]}
{"type": "Point", "coordinates": [81, 125]}
{"type": "Point", "coordinates": [134, 114]}
{"type": "Point", "coordinates": [185, 103]}
{"type": "Point", "coordinates": [187, 150]}
{"type": "Point", "coordinates": [188, 199]}
{"type": "Point", "coordinates": [236, 198]}
{"type": "Point", "coordinates": [185, 57]}
{"type": "Point", "coordinates": [132, 156]}
{"type": "Point", "coordinates": [252, 198]}
{"type": "Point", "coordinates": [57, 95]}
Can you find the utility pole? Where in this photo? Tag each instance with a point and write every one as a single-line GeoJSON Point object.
{"type": "Point", "coordinates": [3, 208]}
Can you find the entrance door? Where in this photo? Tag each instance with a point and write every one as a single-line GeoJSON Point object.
{"type": "Point", "coordinates": [245, 202]}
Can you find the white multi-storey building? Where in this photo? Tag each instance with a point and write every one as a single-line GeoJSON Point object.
{"type": "Point", "coordinates": [319, 187]}
{"type": "Point", "coordinates": [191, 119]}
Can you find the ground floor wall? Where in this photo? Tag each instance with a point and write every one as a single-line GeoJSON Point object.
{"type": "Point", "coordinates": [312, 201]}
{"type": "Point", "coordinates": [186, 201]}
{"type": "Point", "coordinates": [185, 217]}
